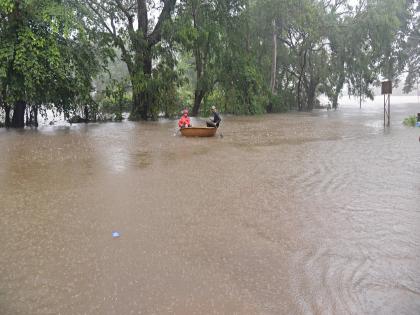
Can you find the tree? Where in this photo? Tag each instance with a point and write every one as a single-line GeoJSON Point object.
{"type": "Point", "coordinates": [376, 44]}
{"type": "Point", "coordinates": [240, 81]}
{"type": "Point", "coordinates": [45, 59]}
{"type": "Point", "coordinates": [129, 26]}
{"type": "Point", "coordinates": [199, 31]}
{"type": "Point", "coordinates": [305, 42]}
{"type": "Point", "coordinates": [338, 32]}
{"type": "Point", "coordinates": [412, 51]}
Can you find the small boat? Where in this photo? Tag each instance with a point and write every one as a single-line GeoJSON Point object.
{"type": "Point", "coordinates": [198, 131]}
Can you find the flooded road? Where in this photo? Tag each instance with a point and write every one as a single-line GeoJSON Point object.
{"type": "Point", "coordinates": [285, 214]}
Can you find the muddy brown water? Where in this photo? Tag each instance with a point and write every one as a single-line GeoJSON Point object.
{"type": "Point", "coordinates": [286, 214]}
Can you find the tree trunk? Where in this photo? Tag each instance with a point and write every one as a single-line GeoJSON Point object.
{"type": "Point", "coordinates": [144, 103]}
{"type": "Point", "coordinates": [312, 93]}
{"type": "Point", "coordinates": [335, 101]}
{"type": "Point", "coordinates": [198, 98]}
{"type": "Point", "coordinates": [86, 113]}
{"type": "Point", "coordinates": [301, 75]}
{"type": "Point", "coordinates": [298, 92]}
{"type": "Point", "coordinates": [134, 115]}
{"type": "Point", "coordinates": [141, 102]}
{"type": "Point", "coordinates": [141, 41]}
{"type": "Point", "coordinates": [28, 120]}
{"type": "Point", "coordinates": [274, 60]}
{"type": "Point", "coordinates": [18, 119]}
{"type": "Point", "coordinates": [147, 95]}
{"type": "Point", "coordinates": [338, 89]}
{"type": "Point", "coordinates": [7, 118]}
{"type": "Point", "coordinates": [32, 115]}
{"type": "Point", "coordinates": [200, 90]}
{"type": "Point", "coordinates": [35, 113]}
{"type": "Point", "coordinates": [141, 94]}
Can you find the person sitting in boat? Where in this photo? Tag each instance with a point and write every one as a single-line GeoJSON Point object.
{"type": "Point", "coordinates": [185, 121]}
{"type": "Point", "coordinates": [216, 118]}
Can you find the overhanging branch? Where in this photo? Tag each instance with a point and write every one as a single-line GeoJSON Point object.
{"type": "Point", "coordinates": [156, 35]}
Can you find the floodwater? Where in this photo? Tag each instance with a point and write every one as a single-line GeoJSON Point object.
{"type": "Point", "coordinates": [285, 214]}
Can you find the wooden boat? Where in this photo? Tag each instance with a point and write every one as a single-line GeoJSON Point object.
{"type": "Point", "coordinates": [199, 131]}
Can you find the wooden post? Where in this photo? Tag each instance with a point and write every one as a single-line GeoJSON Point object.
{"type": "Point", "coordinates": [387, 91]}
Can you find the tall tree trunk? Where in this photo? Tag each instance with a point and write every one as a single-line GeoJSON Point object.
{"type": "Point", "coordinates": [32, 115]}
{"type": "Point", "coordinates": [335, 100]}
{"type": "Point", "coordinates": [147, 96]}
{"type": "Point", "coordinates": [18, 119]}
{"type": "Point", "coordinates": [142, 99]}
{"type": "Point", "coordinates": [274, 60]}
{"type": "Point", "coordinates": [313, 83]}
{"type": "Point", "coordinates": [28, 120]}
{"type": "Point", "coordinates": [134, 115]}
{"type": "Point", "coordinates": [301, 77]}
{"type": "Point", "coordinates": [35, 113]}
{"type": "Point", "coordinates": [338, 88]}
{"type": "Point", "coordinates": [199, 89]}
{"type": "Point", "coordinates": [299, 87]}
{"type": "Point", "coordinates": [7, 118]}
{"type": "Point", "coordinates": [142, 41]}
{"type": "Point", "coordinates": [198, 98]}
{"type": "Point", "coordinates": [86, 113]}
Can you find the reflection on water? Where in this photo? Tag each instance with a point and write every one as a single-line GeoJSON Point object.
{"type": "Point", "coordinates": [286, 214]}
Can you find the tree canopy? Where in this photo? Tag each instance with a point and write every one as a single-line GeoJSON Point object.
{"type": "Point", "coordinates": [245, 56]}
{"type": "Point", "coordinates": [46, 57]}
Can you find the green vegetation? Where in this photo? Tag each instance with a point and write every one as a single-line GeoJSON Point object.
{"type": "Point", "coordinates": [97, 59]}
{"type": "Point", "coordinates": [410, 121]}
{"type": "Point", "coordinates": [46, 59]}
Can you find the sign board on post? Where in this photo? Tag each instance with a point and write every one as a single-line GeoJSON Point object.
{"type": "Point", "coordinates": [386, 87]}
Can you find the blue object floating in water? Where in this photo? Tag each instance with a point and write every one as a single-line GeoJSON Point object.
{"type": "Point", "coordinates": [116, 234]}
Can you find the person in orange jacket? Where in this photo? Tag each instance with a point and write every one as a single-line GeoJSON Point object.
{"type": "Point", "coordinates": [185, 121]}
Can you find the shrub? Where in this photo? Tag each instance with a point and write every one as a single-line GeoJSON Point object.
{"type": "Point", "coordinates": [279, 103]}
{"type": "Point", "coordinates": [410, 121]}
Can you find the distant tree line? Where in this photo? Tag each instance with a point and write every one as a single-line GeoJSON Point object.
{"type": "Point", "coordinates": [152, 58]}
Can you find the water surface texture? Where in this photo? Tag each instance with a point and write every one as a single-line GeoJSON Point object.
{"type": "Point", "coordinates": [301, 213]}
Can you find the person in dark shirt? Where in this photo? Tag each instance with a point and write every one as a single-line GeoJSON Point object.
{"type": "Point", "coordinates": [216, 118]}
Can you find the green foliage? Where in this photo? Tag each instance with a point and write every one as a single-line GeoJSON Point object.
{"type": "Point", "coordinates": [142, 40]}
{"type": "Point", "coordinates": [243, 56]}
{"type": "Point", "coordinates": [281, 103]}
{"type": "Point", "coordinates": [376, 41]}
{"type": "Point", "coordinates": [116, 98]}
{"type": "Point", "coordinates": [410, 121]}
{"type": "Point", "coordinates": [411, 51]}
{"type": "Point", "coordinates": [225, 53]}
{"type": "Point", "coordinates": [7, 6]}
{"type": "Point", "coordinates": [45, 57]}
